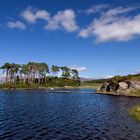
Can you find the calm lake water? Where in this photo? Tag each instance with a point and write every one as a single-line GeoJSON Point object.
{"type": "Point", "coordinates": [77, 115]}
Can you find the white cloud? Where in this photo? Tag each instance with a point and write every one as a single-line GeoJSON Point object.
{"type": "Point", "coordinates": [32, 16]}
{"type": "Point", "coordinates": [84, 33]}
{"type": "Point", "coordinates": [79, 69]}
{"type": "Point", "coordinates": [63, 19]}
{"type": "Point", "coordinates": [17, 24]}
{"type": "Point", "coordinates": [96, 8]}
{"type": "Point", "coordinates": [118, 11]}
{"type": "Point", "coordinates": [113, 25]}
{"type": "Point", "coordinates": [108, 76]}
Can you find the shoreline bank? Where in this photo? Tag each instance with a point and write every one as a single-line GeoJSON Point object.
{"type": "Point", "coordinates": [80, 87]}
{"type": "Point", "coordinates": [45, 88]}
{"type": "Point", "coordinates": [117, 94]}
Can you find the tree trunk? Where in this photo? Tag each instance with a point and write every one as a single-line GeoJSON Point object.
{"type": "Point", "coordinates": [6, 76]}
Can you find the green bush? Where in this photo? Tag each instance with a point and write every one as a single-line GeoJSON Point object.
{"type": "Point", "coordinates": [61, 82]}
{"type": "Point", "coordinates": [49, 82]}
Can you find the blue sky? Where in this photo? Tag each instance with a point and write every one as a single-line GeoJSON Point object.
{"type": "Point", "coordinates": [99, 38]}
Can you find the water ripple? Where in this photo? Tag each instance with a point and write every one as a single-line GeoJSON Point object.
{"type": "Point", "coordinates": [28, 115]}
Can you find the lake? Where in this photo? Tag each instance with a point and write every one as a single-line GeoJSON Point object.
{"type": "Point", "coordinates": [78, 114]}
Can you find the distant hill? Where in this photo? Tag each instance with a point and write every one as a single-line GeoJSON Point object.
{"type": "Point", "coordinates": [118, 78]}
{"type": "Point", "coordinates": [83, 79]}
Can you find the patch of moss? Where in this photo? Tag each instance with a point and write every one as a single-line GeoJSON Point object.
{"type": "Point", "coordinates": [135, 112]}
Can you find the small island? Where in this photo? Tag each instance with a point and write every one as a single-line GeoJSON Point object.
{"type": "Point", "coordinates": [34, 75]}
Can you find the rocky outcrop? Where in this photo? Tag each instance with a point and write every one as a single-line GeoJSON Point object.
{"type": "Point", "coordinates": [135, 84]}
{"type": "Point", "coordinates": [123, 87]}
{"type": "Point", "coordinates": [109, 87]}
{"type": "Point", "coordinates": [104, 87]}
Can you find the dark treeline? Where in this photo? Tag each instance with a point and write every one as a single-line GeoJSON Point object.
{"type": "Point", "coordinates": [39, 73]}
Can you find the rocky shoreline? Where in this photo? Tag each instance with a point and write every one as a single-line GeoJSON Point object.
{"type": "Point", "coordinates": [117, 94]}
{"type": "Point", "coordinates": [123, 88]}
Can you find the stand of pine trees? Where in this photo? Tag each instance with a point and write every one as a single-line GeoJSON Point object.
{"type": "Point", "coordinates": [34, 74]}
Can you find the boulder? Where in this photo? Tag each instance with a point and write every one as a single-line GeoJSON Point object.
{"type": "Point", "coordinates": [135, 85]}
{"type": "Point", "coordinates": [128, 87]}
{"type": "Point", "coordinates": [109, 87]}
{"type": "Point", "coordinates": [113, 86]}
{"type": "Point", "coordinates": [104, 87]}
{"type": "Point", "coordinates": [123, 86]}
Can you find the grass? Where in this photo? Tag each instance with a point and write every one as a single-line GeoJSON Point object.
{"type": "Point", "coordinates": [49, 82]}
{"type": "Point", "coordinates": [56, 84]}
{"type": "Point", "coordinates": [91, 85]}
{"type": "Point", "coordinates": [135, 112]}
{"type": "Point", "coordinates": [136, 93]}
{"type": "Point", "coordinates": [18, 86]}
